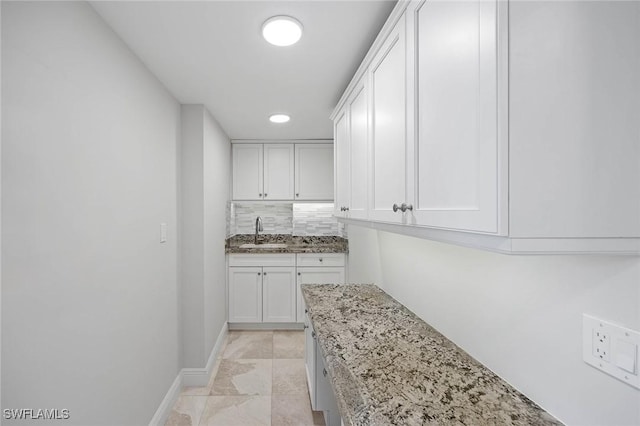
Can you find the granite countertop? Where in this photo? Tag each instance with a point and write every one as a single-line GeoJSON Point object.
{"type": "Point", "coordinates": [295, 244]}
{"type": "Point", "coordinates": [387, 366]}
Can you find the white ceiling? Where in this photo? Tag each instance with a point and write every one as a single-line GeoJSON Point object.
{"type": "Point", "coordinates": [212, 53]}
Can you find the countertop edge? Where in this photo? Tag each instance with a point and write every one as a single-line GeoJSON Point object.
{"type": "Point", "coordinates": [295, 244]}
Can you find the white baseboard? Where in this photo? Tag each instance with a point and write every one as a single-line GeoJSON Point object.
{"type": "Point", "coordinates": [189, 377]}
{"type": "Point", "coordinates": [163, 411]}
{"type": "Point", "coordinates": [266, 326]}
{"type": "Point", "coordinates": [200, 376]}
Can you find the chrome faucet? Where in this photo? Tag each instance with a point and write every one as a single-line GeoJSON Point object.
{"type": "Point", "coordinates": [258, 228]}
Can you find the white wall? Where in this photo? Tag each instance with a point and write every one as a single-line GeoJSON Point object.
{"type": "Point", "coordinates": [191, 236]}
{"type": "Point", "coordinates": [364, 255]}
{"type": "Point", "coordinates": [89, 303]}
{"type": "Point", "coordinates": [521, 316]}
{"type": "Point", "coordinates": [0, 212]}
{"type": "Point", "coordinates": [204, 171]}
{"type": "Point", "coordinates": [217, 176]}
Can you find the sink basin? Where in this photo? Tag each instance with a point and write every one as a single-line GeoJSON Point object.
{"type": "Point", "coordinates": [263, 246]}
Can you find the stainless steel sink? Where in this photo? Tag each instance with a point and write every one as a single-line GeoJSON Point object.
{"type": "Point", "coordinates": [263, 246]}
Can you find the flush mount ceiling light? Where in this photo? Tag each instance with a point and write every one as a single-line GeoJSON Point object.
{"type": "Point", "coordinates": [282, 30]}
{"type": "Point", "coordinates": [279, 118]}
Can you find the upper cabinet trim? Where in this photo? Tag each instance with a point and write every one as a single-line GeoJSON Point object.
{"type": "Point", "coordinates": [387, 28]}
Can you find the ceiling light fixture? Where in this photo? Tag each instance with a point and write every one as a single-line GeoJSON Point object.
{"type": "Point", "coordinates": [279, 118]}
{"type": "Point", "coordinates": [282, 30]}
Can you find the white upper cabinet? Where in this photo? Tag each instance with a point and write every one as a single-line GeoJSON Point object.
{"type": "Point", "coordinates": [278, 172]}
{"type": "Point", "coordinates": [387, 77]}
{"type": "Point", "coordinates": [506, 126]}
{"type": "Point", "coordinates": [358, 152]}
{"type": "Point", "coordinates": [247, 172]}
{"type": "Point", "coordinates": [456, 143]}
{"type": "Point", "coordinates": [574, 120]}
{"type": "Point", "coordinates": [314, 172]}
{"type": "Point", "coordinates": [282, 171]}
{"type": "Point", "coordinates": [351, 158]}
{"type": "Point", "coordinates": [342, 168]}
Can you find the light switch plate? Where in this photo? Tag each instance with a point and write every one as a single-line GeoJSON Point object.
{"type": "Point", "coordinates": [611, 348]}
{"type": "Point", "coordinates": [163, 232]}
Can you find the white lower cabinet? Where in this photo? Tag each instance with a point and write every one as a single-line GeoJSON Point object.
{"type": "Point", "coordinates": [325, 399]}
{"type": "Point", "coordinates": [320, 390]}
{"type": "Point", "coordinates": [262, 294]}
{"type": "Point", "coordinates": [318, 268]}
{"type": "Point", "coordinates": [310, 360]}
{"type": "Point", "coordinates": [265, 288]}
{"type": "Point", "coordinates": [262, 288]}
{"type": "Point", "coordinates": [245, 294]}
{"type": "Point", "coordinates": [278, 294]}
{"type": "Point", "coordinates": [317, 275]}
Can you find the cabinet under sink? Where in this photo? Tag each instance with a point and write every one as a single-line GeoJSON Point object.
{"type": "Point", "coordinates": [264, 288]}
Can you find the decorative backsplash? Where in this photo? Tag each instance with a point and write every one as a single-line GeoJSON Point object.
{"type": "Point", "coordinates": [303, 219]}
{"type": "Point", "coordinates": [314, 219]}
{"type": "Point", "coordinates": [277, 218]}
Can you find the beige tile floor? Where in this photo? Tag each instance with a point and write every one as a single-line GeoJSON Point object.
{"type": "Point", "coordinates": [260, 379]}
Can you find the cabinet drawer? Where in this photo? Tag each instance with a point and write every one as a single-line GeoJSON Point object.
{"type": "Point", "coordinates": [280, 259]}
{"type": "Point", "coordinates": [321, 259]}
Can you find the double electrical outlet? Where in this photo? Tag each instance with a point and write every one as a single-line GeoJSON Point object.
{"type": "Point", "coordinates": [611, 348]}
{"type": "Point", "coordinates": [601, 344]}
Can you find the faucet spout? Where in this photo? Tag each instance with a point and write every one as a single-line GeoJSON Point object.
{"type": "Point", "coordinates": [258, 229]}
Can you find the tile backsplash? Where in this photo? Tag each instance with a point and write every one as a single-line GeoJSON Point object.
{"type": "Point", "coordinates": [314, 219]}
{"type": "Point", "coordinates": [277, 218]}
{"type": "Point", "coordinates": [304, 219]}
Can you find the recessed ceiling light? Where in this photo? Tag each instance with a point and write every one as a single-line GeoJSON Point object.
{"type": "Point", "coordinates": [282, 30]}
{"type": "Point", "coordinates": [279, 118]}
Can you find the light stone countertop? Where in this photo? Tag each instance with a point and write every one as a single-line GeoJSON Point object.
{"type": "Point", "coordinates": [389, 367]}
{"type": "Point", "coordinates": [295, 244]}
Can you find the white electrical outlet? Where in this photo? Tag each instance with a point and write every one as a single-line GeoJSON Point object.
{"type": "Point", "coordinates": [611, 348]}
{"type": "Point", "coordinates": [601, 344]}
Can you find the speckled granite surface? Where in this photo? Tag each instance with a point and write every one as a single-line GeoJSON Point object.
{"type": "Point", "coordinates": [295, 244]}
{"type": "Point", "coordinates": [388, 367]}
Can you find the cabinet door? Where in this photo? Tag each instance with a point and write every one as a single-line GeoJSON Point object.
{"type": "Point", "coordinates": [388, 139]}
{"type": "Point", "coordinates": [314, 172]}
{"type": "Point", "coordinates": [457, 145]}
{"type": "Point", "coordinates": [316, 275]}
{"type": "Point", "coordinates": [341, 160]}
{"type": "Point", "coordinates": [247, 172]}
{"type": "Point", "coordinates": [278, 171]}
{"type": "Point", "coordinates": [359, 130]}
{"type": "Point", "coordinates": [278, 294]}
{"type": "Point", "coordinates": [310, 360]}
{"type": "Point", "coordinates": [245, 294]}
{"type": "Point", "coordinates": [325, 400]}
